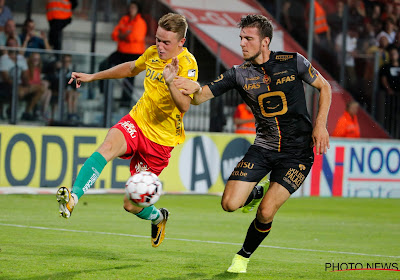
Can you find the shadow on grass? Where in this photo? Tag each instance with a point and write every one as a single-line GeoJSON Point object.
{"type": "Point", "coordinates": [202, 276]}
{"type": "Point", "coordinates": [72, 274]}
{"type": "Point", "coordinates": [225, 275]}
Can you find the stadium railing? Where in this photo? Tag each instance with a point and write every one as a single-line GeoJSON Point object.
{"type": "Point", "coordinates": [98, 104]}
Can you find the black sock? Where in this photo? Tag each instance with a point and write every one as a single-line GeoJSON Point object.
{"type": "Point", "coordinates": [257, 192]}
{"type": "Point", "coordinates": [255, 235]}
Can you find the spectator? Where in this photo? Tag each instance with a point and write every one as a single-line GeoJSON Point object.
{"type": "Point", "coordinates": [376, 12]}
{"type": "Point", "coordinates": [390, 73]}
{"type": "Point", "coordinates": [390, 84]}
{"type": "Point", "coordinates": [388, 12]}
{"type": "Point", "coordinates": [10, 30]}
{"type": "Point", "coordinates": [31, 39]}
{"type": "Point", "coordinates": [322, 37]}
{"type": "Point", "coordinates": [351, 51]}
{"type": "Point", "coordinates": [71, 94]}
{"type": "Point", "coordinates": [335, 20]}
{"type": "Point", "coordinates": [8, 62]}
{"type": "Point", "coordinates": [130, 35]}
{"type": "Point", "coordinates": [397, 15]}
{"type": "Point", "coordinates": [357, 13]}
{"type": "Point", "coordinates": [388, 31]}
{"type": "Point", "coordinates": [382, 47]}
{"type": "Point", "coordinates": [367, 37]}
{"type": "Point", "coordinates": [53, 76]}
{"type": "Point", "coordinates": [244, 120]}
{"type": "Point", "coordinates": [347, 125]}
{"type": "Point", "coordinates": [5, 14]}
{"type": "Point", "coordinates": [375, 18]}
{"type": "Point", "coordinates": [59, 15]}
{"type": "Point", "coordinates": [368, 67]}
{"type": "Point", "coordinates": [35, 65]}
{"type": "Point", "coordinates": [396, 43]}
{"type": "Point", "coordinates": [293, 19]}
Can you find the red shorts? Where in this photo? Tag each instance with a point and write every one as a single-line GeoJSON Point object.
{"type": "Point", "coordinates": [144, 154]}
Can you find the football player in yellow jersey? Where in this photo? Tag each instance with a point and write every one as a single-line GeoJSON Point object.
{"type": "Point", "coordinates": [152, 128]}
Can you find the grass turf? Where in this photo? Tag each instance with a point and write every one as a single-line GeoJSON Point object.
{"type": "Point", "coordinates": [102, 241]}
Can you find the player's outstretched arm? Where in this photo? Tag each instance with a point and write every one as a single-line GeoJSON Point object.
{"type": "Point", "coordinates": [119, 71]}
{"type": "Point", "coordinates": [320, 133]}
{"type": "Point", "coordinates": [187, 86]}
{"type": "Point", "coordinates": [170, 71]}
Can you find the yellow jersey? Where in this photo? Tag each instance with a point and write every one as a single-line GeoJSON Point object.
{"type": "Point", "coordinates": [155, 112]}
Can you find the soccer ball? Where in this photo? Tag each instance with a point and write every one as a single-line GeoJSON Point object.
{"type": "Point", "coordinates": [143, 188]}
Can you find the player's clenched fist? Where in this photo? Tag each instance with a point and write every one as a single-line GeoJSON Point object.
{"type": "Point", "coordinates": [80, 77]}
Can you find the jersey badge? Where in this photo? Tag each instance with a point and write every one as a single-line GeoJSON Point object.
{"type": "Point", "coordinates": [267, 79]}
{"type": "Point", "coordinates": [192, 73]}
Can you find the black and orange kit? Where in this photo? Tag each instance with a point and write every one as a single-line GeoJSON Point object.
{"type": "Point", "coordinates": [275, 93]}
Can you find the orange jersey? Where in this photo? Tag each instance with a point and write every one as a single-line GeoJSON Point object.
{"type": "Point", "coordinates": [156, 113]}
{"type": "Point", "coordinates": [58, 9]}
{"type": "Point", "coordinates": [320, 22]}
{"type": "Point", "coordinates": [135, 41]}
{"type": "Point", "coordinates": [244, 114]}
{"type": "Point", "coordinates": [347, 126]}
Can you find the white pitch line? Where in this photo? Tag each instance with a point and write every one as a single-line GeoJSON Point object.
{"type": "Point", "coordinates": [199, 241]}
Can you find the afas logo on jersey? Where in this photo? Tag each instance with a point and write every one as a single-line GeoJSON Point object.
{"type": "Point", "coordinates": [251, 86]}
{"type": "Point", "coordinates": [285, 79]}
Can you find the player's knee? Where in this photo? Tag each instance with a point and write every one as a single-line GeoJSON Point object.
{"type": "Point", "coordinates": [127, 206]}
{"type": "Point", "coordinates": [228, 206]}
{"type": "Point", "coordinates": [265, 214]}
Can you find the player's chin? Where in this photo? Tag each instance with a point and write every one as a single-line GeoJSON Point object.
{"type": "Point", "coordinates": [163, 56]}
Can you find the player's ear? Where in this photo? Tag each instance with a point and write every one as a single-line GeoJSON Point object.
{"type": "Point", "coordinates": [182, 42]}
{"type": "Point", "coordinates": [265, 42]}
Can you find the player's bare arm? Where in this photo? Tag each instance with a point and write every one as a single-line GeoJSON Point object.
{"type": "Point", "coordinates": [119, 71]}
{"type": "Point", "coordinates": [170, 71]}
{"type": "Point", "coordinates": [320, 133]}
{"type": "Point", "coordinates": [200, 94]}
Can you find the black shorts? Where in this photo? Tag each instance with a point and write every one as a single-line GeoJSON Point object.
{"type": "Point", "coordinates": [288, 169]}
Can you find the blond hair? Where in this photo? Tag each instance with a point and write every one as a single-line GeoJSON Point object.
{"type": "Point", "coordinates": [174, 22]}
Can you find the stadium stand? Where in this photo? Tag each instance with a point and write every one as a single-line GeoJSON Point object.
{"type": "Point", "coordinates": [370, 17]}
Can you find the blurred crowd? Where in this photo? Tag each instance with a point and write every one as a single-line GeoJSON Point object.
{"type": "Point", "coordinates": [31, 61]}
{"type": "Point", "coordinates": [373, 29]}
{"type": "Point", "coordinates": [26, 66]}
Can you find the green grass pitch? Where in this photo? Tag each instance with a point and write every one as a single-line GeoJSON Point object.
{"type": "Point", "coordinates": [102, 241]}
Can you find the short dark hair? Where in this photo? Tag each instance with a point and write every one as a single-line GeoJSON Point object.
{"type": "Point", "coordinates": [138, 5]}
{"type": "Point", "coordinates": [262, 23]}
